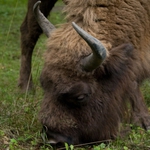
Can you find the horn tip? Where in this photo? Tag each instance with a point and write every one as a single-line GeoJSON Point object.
{"type": "Point", "coordinates": [36, 5]}
{"type": "Point", "coordinates": [76, 27]}
{"type": "Point", "coordinates": [74, 24]}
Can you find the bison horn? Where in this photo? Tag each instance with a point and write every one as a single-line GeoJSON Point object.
{"type": "Point", "coordinates": [98, 54]}
{"type": "Point", "coordinates": [43, 22]}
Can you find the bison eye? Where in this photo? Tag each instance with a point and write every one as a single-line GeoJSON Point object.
{"type": "Point", "coordinates": [73, 99]}
{"type": "Point", "coordinates": [81, 97]}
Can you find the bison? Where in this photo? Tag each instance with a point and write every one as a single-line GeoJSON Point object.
{"type": "Point", "coordinates": [93, 69]}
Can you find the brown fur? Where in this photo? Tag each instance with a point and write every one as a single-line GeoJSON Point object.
{"type": "Point", "coordinates": [111, 86]}
{"type": "Point", "coordinates": [116, 81]}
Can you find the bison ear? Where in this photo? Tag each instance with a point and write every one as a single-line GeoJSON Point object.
{"type": "Point", "coordinates": [43, 22]}
{"type": "Point", "coordinates": [128, 49]}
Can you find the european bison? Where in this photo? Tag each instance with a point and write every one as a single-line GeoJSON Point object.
{"type": "Point", "coordinates": [88, 82]}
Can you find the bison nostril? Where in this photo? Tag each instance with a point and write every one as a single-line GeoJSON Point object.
{"type": "Point", "coordinates": [53, 138]}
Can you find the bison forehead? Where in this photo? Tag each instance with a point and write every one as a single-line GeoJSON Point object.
{"type": "Point", "coordinates": [65, 50]}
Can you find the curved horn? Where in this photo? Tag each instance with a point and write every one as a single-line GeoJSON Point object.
{"type": "Point", "coordinates": [98, 54]}
{"type": "Point", "coordinates": [43, 22]}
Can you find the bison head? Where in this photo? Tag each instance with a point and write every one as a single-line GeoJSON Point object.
{"type": "Point", "coordinates": [83, 86]}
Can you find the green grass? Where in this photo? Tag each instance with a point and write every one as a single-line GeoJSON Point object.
{"type": "Point", "coordinates": [19, 126]}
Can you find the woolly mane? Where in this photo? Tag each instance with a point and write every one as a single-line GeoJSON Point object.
{"type": "Point", "coordinates": [115, 19]}
{"type": "Point", "coordinates": [114, 22]}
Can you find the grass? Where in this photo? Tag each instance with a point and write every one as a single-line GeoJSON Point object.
{"type": "Point", "coordinates": [19, 126]}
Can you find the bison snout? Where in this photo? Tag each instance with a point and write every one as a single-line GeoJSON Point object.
{"type": "Point", "coordinates": [54, 138]}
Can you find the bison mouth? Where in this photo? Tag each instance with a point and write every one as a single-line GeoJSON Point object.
{"type": "Point", "coordinates": [55, 139]}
